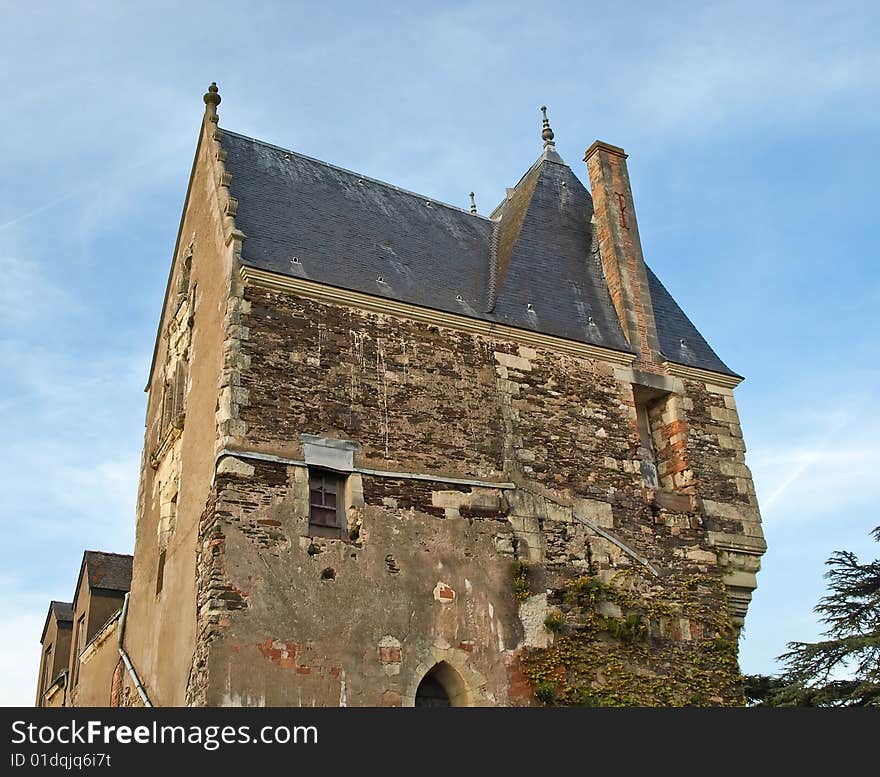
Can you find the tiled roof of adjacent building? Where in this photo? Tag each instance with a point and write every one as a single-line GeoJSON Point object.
{"type": "Point", "coordinates": [533, 265]}
{"type": "Point", "coordinates": [63, 611]}
{"type": "Point", "coordinates": [110, 571]}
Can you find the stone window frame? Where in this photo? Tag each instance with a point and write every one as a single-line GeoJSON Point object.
{"type": "Point", "coordinates": [172, 403]}
{"type": "Point", "coordinates": [663, 402]}
{"type": "Point", "coordinates": [336, 457]}
{"type": "Point", "coordinates": [648, 458]}
{"type": "Point", "coordinates": [339, 530]}
{"type": "Point", "coordinates": [652, 394]}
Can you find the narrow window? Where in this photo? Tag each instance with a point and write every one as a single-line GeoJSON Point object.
{"type": "Point", "coordinates": [160, 572]}
{"type": "Point", "coordinates": [186, 269]}
{"type": "Point", "coordinates": [79, 646]}
{"type": "Point", "coordinates": [647, 453]}
{"type": "Point", "coordinates": [179, 395]}
{"type": "Point", "coordinates": [47, 673]}
{"type": "Point", "coordinates": [167, 408]}
{"type": "Point", "coordinates": [326, 513]}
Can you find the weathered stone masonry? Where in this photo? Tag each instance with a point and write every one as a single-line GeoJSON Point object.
{"type": "Point", "coordinates": [423, 399]}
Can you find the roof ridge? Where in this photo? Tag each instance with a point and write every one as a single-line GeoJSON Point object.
{"type": "Point", "coordinates": [492, 291]}
{"type": "Point", "coordinates": [362, 176]}
{"type": "Point", "coordinates": [546, 156]}
{"type": "Point", "coordinates": [512, 215]}
{"type": "Point", "coordinates": [109, 553]}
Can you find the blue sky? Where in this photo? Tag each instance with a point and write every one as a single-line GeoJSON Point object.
{"type": "Point", "coordinates": [752, 130]}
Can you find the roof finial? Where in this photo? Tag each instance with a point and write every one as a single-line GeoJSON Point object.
{"type": "Point", "coordinates": [473, 204]}
{"type": "Point", "coordinates": [212, 100]}
{"type": "Point", "coordinates": [546, 133]}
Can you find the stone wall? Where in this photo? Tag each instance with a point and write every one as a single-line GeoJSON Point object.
{"type": "Point", "coordinates": [428, 570]}
{"type": "Point", "coordinates": [289, 619]}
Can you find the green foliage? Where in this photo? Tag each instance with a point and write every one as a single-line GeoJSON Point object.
{"type": "Point", "coordinates": [629, 630]}
{"type": "Point", "coordinates": [587, 590]}
{"type": "Point", "coordinates": [851, 610]}
{"type": "Point", "coordinates": [522, 588]}
{"type": "Point", "coordinates": [602, 661]}
{"type": "Point", "coordinates": [545, 690]}
{"type": "Point", "coordinates": [554, 621]}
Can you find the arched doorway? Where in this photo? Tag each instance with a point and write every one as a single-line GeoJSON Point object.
{"type": "Point", "coordinates": [431, 693]}
{"type": "Point", "coordinates": [442, 686]}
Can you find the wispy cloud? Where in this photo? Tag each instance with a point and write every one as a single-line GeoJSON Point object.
{"type": "Point", "coordinates": [827, 468]}
{"type": "Point", "coordinates": [28, 293]}
{"type": "Point", "coordinates": [832, 452]}
{"type": "Point", "coordinates": [39, 209]}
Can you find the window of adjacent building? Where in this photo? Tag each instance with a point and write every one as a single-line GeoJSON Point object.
{"type": "Point", "coordinates": [47, 670]}
{"type": "Point", "coordinates": [326, 509]}
{"type": "Point", "coordinates": [79, 646]}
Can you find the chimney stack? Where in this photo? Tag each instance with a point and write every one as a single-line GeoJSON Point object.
{"type": "Point", "coordinates": [621, 250]}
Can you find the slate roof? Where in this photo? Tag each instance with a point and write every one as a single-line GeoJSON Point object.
{"type": "Point", "coordinates": [680, 341]}
{"type": "Point", "coordinates": [109, 571]}
{"type": "Point", "coordinates": [529, 266]}
{"type": "Point", "coordinates": [544, 260]}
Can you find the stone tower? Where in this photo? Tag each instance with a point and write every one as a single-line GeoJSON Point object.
{"type": "Point", "coordinates": [400, 453]}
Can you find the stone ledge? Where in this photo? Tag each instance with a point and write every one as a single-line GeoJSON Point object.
{"type": "Point", "coordinates": [672, 500]}
{"type": "Point", "coordinates": [738, 542]}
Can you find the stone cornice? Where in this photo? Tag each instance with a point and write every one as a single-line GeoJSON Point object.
{"type": "Point", "coordinates": [704, 376]}
{"type": "Point", "coordinates": [600, 145]}
{"type": "Point", "coordinates": [337, 296]}
{"type": "Point", "coordinates": [380, 473]}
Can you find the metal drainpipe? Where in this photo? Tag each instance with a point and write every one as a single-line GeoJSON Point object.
{"type": "Point", "coordinates": [125, 659]}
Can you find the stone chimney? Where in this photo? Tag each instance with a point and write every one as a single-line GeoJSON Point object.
{"type": "Point", "coordinates": [621, 250]}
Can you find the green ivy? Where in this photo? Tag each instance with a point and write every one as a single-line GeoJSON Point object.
{"type": "Point", "coordinates": [637, 660]}
{"type": "Point", "coordinates": [554, 621]}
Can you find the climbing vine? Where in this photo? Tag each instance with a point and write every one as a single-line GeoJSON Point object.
{"type": "Point", "coordinates": [625, 642]}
